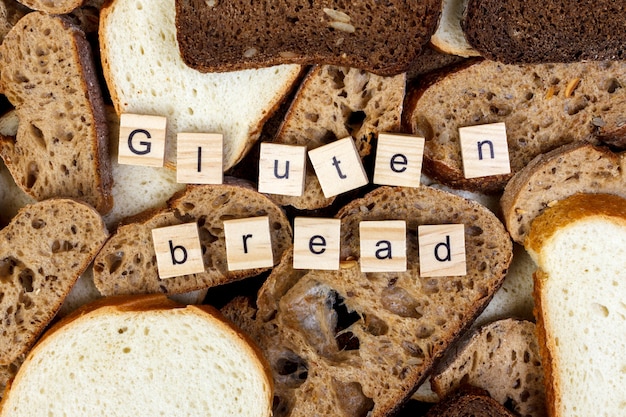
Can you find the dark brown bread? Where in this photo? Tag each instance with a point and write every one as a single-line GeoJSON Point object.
{"type": "Point", "coordinates": [43, 251]}
{"type": "Point", "coordinates": [469, 402]}
{"type": "Point", "coordinates": [49, 75]}
{"type": "Point", "coordinates": [127, 263]}
{"type": "Point", "coordinates": [348, 343]}
{"type": "Point", "coordinates": [544, 106]}
{"type": "Point", "coordinates": [526, 31]}
{"type": "Point", "coordinates": [364, 34]}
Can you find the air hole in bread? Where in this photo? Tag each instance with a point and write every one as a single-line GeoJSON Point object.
{"type": "Point", "coordinates": [59, 246]}
{"type": "Point", "coordinates": [398, 301]}
{"type": "Point", "coordinates": [353, 401]}
{"type": "Point", "coordinates": [7, 268]}
{"type": "Point", "coordinates": [114, 261]}
{"type": "Point", "coordinates": [26, 279]}
{"type": "Point", "coordinates": [355, 121]}
{"type": "Point", "coordinates": [38, 224]}
{"type": "Point", "coordinates": [32, 174]}
{"type": "Point", "coordinates": [37, 135]}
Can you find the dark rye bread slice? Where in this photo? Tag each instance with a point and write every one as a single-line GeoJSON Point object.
{"type": "Point", "coordinates": [364, 34]}
{"type": "Point", "coordinates": [469, 402]}
{"type": "Point", "coordinates": [570, 169]}
{"type": "Point", "coordinates": [501, 357]}
{"type": "Point", "coordinates": [60, 150]}
{"type": "Point", "coordinates": [127, 264]}
{"type": "Point", "coordinates": [333, 103]}
{"type": "Point", "coordinates": [546, 30]}
{"type": "Point", "coordinates": [43, 251]}
{"type": "Point", "coordinates": [347, 343]}
{"type": "Point", "coordinates": [543, 106]}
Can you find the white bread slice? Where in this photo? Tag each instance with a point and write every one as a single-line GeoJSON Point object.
{"type": "Point", "coordinates": [449, 37]}
{"type": "Point", "coordinates": [579, 245]}
{"type": "Point", "coordinates": [146, 75]}
{"type": "Point", "coordinates": [142, 356]}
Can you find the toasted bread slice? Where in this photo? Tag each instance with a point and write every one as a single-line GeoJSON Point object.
{"type": "Point", "coordinates": [543, 106]}
{"type": "Point", "coordinates": [352, 343]}
{"type": "Point", "coordinates": [127, 263]}
{"type": "Point", "coordinates": [235, 35]}
{"type": "Point", "coordinates": [43, 251]}
{"type": "Point", "coordinates": [579, 245]}
{"type": "Point", "coordinates": [145, 74]}
{"type": "Point", "coordinates": [60, 149]}
{"type": "Point", "coordinates": [567, 170]}
{"type": "Point", "coordinates": [142, 356]}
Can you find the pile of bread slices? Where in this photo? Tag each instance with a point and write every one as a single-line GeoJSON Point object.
{"type": "Point", "coordinates": [536, 324]}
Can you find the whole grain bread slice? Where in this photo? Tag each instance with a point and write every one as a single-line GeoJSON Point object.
{"type": "Point", "coordinates": [60, 150]}
{"type": "Point", "coordinates": [570, 169]}
{"type": "Point", "coordinates": [235, 35]}
{"type": "Point", "coordinates": [43, 251]}
{"type": "Point", "coordinates": [348, 343]}
{"type": "Point", "coordinates": [127, 263]}
{"type": "Point", "coordinates": [333, 103]}
{"type": "Point", "coordinates": [501, 357]}
{"type": "Point", "coordinates": [543, 106]}
{"type": "Point", "coordinates": [546, 31]}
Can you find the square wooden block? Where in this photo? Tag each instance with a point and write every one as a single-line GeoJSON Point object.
{"type": "Point", "coordinates": [178, 250]}
{"type": "Point", "coordinates": [142, 140]}
{"type": "Point", "coordinates": [248, 243]}
{"type": "Point", "coordinates": [442, 250]}
{"type": "Point", "coordinates": [200, 158]}
{"type": "Point", "coordinates": [398, 160]}
{"type": "Point", "coordinates": [281, 169]}
{"type": "Point", "coordinates": [484, 150]}
{"type": "Point", "coordinates": [383, 246]}
{"type": "Point", "coordinates": [338, 167]}
{"type": "Point", "coordinates": [316, 243]}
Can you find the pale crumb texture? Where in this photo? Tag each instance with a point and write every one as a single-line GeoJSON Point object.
{"type": "Point", "coordinates": [383, 38]}
{"type": "Point", "coordinates": [127, 262]}
{"type": "Point", "coordinates": [60, 150]}
{"type": "Point", "coordinates": [333, 103]}
{"type": "Point", "coordinates": [580, 247]}
{"type": "Point", "coordinates": [449, 37]}
{"type": "Point", "coordinates": [567, 170]}
{"type": "Point", "coordinates": [146, 75]}
{"type": "Point", "coordinates": [120, 362]}
{"type": "Point", "coordinates": [43, 251]}
{"type": "Point", "coordinates": [503, 358]}
{"type": "Point", "coordinates": [530, 99]}
{"type": "Point", "coordinates": [347, 343]}
{"type": "Point", "coordinates": [10, 13]}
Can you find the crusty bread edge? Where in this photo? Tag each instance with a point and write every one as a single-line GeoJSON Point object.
{"type": "Point", "coordinates": [152, 302]}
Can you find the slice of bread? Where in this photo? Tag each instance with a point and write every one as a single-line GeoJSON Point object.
{"type": "Point", "coordinates": [501, 357]}
{"type": "Point", "coordinates": [449, 37]}
{"type": "Point", "coordinates": [333, 103]}
{"type": "Point", "coordinates": [544, 106]}
{"type": "Point", "coordinates": [579, 245]}
{"type": "Point", "coordinates": [11, 11]}
{"type": "Point", "coordinates": [469, 402]}
{"type": "Point", "coordinates": [351, 343]}
{"type": "Point", "coordinates": [145, 74]}
{"type": "Point", "coordinates": [127, 262]}
{"type": "Point", "coordinates": [567, 170]}
{"type": "Point", "coordinates": [234, 35]}
{"type": "Point", "coordinates": [60, 149]}
{"type": "Point", "coordinates": [546, 30]}
{"type": "Point", "coordinates": [142, 356]}
{"type": "Point", "coordinates": [53, 7]}
{"type": "Point", "coordinates": [43, 251]}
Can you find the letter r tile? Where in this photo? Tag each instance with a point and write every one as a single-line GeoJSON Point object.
{"type": "Point", "coordinates": [178, 250]}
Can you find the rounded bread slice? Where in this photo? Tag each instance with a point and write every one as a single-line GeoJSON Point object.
{"type": "Point", "coordinates": [142, 356]}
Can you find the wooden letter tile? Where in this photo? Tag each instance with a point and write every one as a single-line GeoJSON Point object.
{"type": "Point", "coordinates": [316, 243]}
{"type": "Point", "coordinates": [248, 243]}
{"type": "Point", "coordinates": [442, 250]}
{"type": "Point", "coordinates": [142, 140]}
{"type": "Point", "coordinates": [178, 250]}
{"type": "Point", "coordinates": [199, 158]}
{"type": "Point", "coordinates": [399, 160]}
{"type": "Point", "coordinates": [281, 169]}
{"type": "Point", "coordinates": [485, 150]}
{"type": "Point", "coordinates": [383, 246]}
{"type": "Point", "coordinates": [338, 167]}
